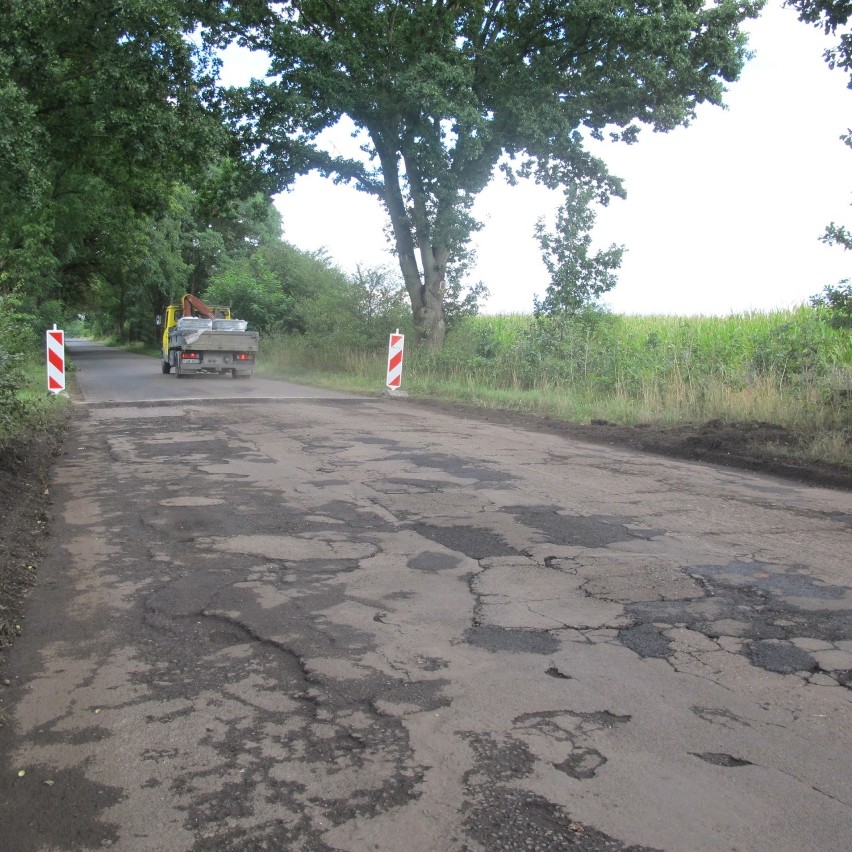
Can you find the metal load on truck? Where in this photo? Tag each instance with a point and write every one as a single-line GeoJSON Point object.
{"type": "Point", "coordinates": [198, 338]}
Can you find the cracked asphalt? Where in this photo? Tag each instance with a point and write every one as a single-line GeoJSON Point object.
{"type": "Point", "coordinates": [272, 617]}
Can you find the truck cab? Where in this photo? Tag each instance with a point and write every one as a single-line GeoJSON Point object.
{"type": "Point", "coordinates": [175, 312]}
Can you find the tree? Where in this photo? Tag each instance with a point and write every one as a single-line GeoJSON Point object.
{"type": "Point", "coordinates": [837, 235]}
{"type": "Point", "coordinates": [254, 293]}
{"type": "Point", "coordinates": [829, 15]}
{"type": "Point", "coordinates": [441, 93]}
{"type": "Point", "coordinates": [102, 110]}
{"type": "Point", "coordinates": [577, 277]}
{"type": "Point", "coordinates": [379, 294]}
{"type": "Point", "coordinates": [836, 299]}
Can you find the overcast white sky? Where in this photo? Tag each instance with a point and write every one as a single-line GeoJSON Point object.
{"type": "Point", "coordinates": [722, 216]}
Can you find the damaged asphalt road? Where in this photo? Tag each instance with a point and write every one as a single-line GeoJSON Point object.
{"type": "Point", "coordinates": [346, 623]}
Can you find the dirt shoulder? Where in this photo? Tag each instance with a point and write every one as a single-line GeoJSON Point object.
{"type": "Point", "coordinates": [25, 470]}
{"type": "Point", "coordinates": [25, 511]}
{"type": "Point", "coordinates": [748, 445]}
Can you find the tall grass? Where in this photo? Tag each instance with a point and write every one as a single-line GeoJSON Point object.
{"type": "Point", "coordinates": [790, 368]}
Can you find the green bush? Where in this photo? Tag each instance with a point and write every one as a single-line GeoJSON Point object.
{"type": "Point", "coordinates": [16, 342]}
{"type": "Point", "coordinates": [836, 303]}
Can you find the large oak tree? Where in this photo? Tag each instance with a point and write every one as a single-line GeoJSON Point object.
{"type": "Point", "coordinates": [445, 91]}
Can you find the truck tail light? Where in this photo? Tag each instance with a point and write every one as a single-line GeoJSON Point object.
{"type": "Point", "coordinates": [244, 356]}
{"type": "Point", "coordinates": [195, 356]}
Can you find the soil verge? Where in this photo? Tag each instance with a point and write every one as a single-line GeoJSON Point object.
{"type": "Point", "coordinates": [750, 445]}
{"type": "Point", "coordinates": [24, 508]}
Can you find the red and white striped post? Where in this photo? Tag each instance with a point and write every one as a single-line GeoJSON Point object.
{"type": "Point", "coordinates": [55, 360]}
{"type": "Point", "coordinates": [395, 347]}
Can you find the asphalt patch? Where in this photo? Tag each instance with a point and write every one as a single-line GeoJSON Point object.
{"type": "Point", "coordinates": [647, 641]}
{"type": "Point", "coordinates": [754, 602]}
{"type": "Point", "coordinates": [433, 562]}
{"type": "Point", "coordinates": [573, 530]}
{"type": "Point", "coordinates": [400, 485]}
{"type": "Point", "coordinates": [498, 639]}
{"type": "Point", "coordinates": [500, 816]}
{"type": "Point", "coordinates": [554, 672]}
{"type": "Point", "coordinates": [780, 657]}
{"type": "Point", "coordinates": [582, 763]}
{"type": "Point", "coordinates": [454, 466]}
{"type": "Point", "coordinates": [772, 579]}
{"type": "Point", "coordinates": [353, 517]}
{"type": "Point", "coordinates": [474, 542]}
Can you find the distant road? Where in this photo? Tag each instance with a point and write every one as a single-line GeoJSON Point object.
{"type": "Point", "coordinates": [272, 617]}
{"type": "Point", "coordinates": [112, 375]}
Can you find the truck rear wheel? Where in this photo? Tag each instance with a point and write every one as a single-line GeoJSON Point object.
{"type": "Point", "coordinates": [167, 368]}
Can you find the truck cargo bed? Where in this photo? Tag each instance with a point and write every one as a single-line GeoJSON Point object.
{"type": "Point", "coordinates": [214, 340]}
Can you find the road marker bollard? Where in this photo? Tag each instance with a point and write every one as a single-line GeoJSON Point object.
{"type": "Point", "coordinates": [395, 347]}
{"type": "Point", "coordinates": [55, 360]}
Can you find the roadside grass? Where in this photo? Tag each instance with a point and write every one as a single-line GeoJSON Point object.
{"type": "Point", "coordinates": [35, 410]}
{"type": "Point", "coordinates": [786, 368]}
{"type": "Point", "coordinates": [335, 367]}
{"type": "Point", "coordinates": [32, 423]}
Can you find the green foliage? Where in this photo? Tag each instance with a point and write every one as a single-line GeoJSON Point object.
{"type": "Point", "coordinates": [836, 301]}
{"type": "Point", "coordinates": [837, 235]}
{"type": "Point", "coordinates": [357, 313]}
{"type": "Point", "coordinates": [101, 113]}
{"type": "Point", "coordinates": [578, 278]}
{"type": "Point", "coordinates": [461, 298]}
{"type": "Point", "coordinates": [379, 303]}
{"type": "Point", "coordinates": [149, 262]}
{"type": "Point", "coordinates": [17, 343]}
{"type": "Point", "coordinates": [255, 294]}
{"type": "Point", "coordinates": [787, 368]}
{"type": "Point", "coordinates": [829, 16]}
{"type": "Point", "coordinates": [282, 290]}
{"type": "Point", "coordinates": [443, 93]}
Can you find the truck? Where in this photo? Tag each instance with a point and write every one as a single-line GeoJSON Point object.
{"type": "Point", "coordinates": [201, 339]}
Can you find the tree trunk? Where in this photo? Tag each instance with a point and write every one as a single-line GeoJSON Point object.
{"type": "Point", "coordinates": [426, 290]}
{"type": "Point", "coordinates": [430, 327]}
